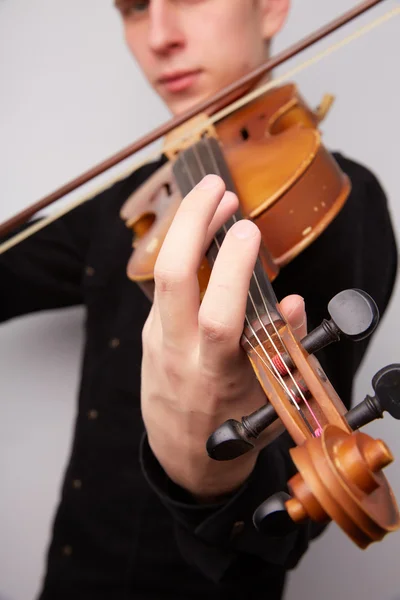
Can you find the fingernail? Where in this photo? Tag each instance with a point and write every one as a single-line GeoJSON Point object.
{"type": "Point", "coordinates": [228, 198]}
{"type": "Point", "coordinates": [209, 181]}
{"type": "Point", "coordinates": [244, 229]}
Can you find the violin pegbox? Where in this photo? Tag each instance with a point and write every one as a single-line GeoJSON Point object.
{"type": "Point", "coordinates": [354, 315]}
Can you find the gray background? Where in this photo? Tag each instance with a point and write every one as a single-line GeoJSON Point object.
{"type": "Point", "coordinates": [71, 96]}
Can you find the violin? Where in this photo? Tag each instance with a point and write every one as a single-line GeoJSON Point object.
{"type": "Point", "coordinates": [267, 147]}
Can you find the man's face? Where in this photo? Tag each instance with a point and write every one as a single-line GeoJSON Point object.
{"type": "Point", "coordinates": [189, 49]}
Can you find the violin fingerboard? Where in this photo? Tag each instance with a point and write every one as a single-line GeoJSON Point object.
{"type": "Point", "coordinates": [203, 158]}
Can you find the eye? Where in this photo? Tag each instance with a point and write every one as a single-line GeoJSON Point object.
{"type": "Point", "coordinates": [132, 7]}
{"type": "Point", "coordinates": [140, 5]}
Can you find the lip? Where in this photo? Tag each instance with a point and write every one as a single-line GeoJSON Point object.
{"type": "Point", "coordinates": [178, 81]}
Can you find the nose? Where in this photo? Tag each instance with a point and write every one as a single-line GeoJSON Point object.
{"type": "Point", "coordinates": [165, 33]}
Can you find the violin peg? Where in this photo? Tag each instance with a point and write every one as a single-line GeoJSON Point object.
{"type": "Point", "coordinates": [386, 385]}
{"type": "Point", "coordinates": [354, 313]}
{"type": "Point", "coordinates": [272, 518]}
{"type": "Point", "coordinates": [232, 438]}
{"type": "Point", "coordinates": [229, 441]}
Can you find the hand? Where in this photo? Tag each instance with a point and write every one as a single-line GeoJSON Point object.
{"type": "Point", "coordinates": [195, 374]}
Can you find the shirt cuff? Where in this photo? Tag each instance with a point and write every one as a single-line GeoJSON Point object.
{"type": "Point", "coordinates": [213, 537]}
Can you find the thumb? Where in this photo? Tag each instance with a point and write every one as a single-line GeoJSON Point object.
{"type": "Point", "coordinates": [293, 309]}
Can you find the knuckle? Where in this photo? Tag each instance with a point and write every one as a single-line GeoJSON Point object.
{"type": "Point", "coordinates": [214, 330]}
{"type": "Point", "coordinates": [167, 280]}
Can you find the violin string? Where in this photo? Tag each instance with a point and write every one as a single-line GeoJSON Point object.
{"type": "Point", "coordinates": [317, 432]}
{"type": "Point", "coordinates": [299, 390]}
{"type": "Point", "coordinates": [274, 370]}
{"type": "Point", "coordinates": [268, 313]}
{"type": "Point", "coordinates": [253, 276]}
{"type": "Point", "coordinates": [18, 238]}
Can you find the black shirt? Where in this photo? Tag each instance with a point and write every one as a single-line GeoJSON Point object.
{"type": "Point", "coordinates": [122, 529]}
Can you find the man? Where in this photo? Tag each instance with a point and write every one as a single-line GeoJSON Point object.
{"type": "Point", "coordinates": [150, 516]}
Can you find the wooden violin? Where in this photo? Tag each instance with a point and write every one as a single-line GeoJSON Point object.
{"type": "Point", "coordinates": [267, 147]}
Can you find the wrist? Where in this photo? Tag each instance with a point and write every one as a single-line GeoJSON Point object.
{"type": "Point", "coordinates": [206, 480]}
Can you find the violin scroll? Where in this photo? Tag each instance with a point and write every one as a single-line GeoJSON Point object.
{"type": "Point", "coordinates": [341, 475]}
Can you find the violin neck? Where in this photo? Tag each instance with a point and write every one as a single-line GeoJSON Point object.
{"type": "Point", "coordinates": [192, 164]}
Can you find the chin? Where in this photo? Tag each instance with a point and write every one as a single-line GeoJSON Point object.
{"type": "Point", "coordinates": [180, 105]}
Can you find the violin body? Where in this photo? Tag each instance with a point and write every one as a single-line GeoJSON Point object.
{"type": "Point", "coordinates": [286, 181]}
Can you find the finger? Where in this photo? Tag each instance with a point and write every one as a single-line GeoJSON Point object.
{"type": "Point", "coordinates": [293, 309]}
{"type": "Point", "coordinates": [222, 313]}
{"type": "Point", "coordinates": [175, 272]}
{"type": "Point", "coordinates": [226, 208]}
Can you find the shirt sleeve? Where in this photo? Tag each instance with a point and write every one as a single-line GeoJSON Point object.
{"type": "Point", "coordinates": [46, 270]}
{"type": "Point", "coordinates": [220, 539]}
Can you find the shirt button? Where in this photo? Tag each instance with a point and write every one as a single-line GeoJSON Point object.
{"type": "Point", "coordinates": [77, 484]}
{"type": "Point", "coordinates": [89, 271]}
{"type": "Point", "coordinates": [67, 550]}
{"type": "Point", "coordinates": [114, 343]}
{"type": "Point", "coordinates": [93, 414]}
{"type": "Point", "coordinates": [237, 529]}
